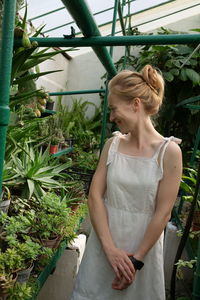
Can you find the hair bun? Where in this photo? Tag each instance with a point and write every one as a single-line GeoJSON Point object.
{"type": "Point", "coordinates": [150, 76]}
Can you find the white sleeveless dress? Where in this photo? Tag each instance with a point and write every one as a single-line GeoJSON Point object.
{"type": "Point", "coordinates": [132, 184]}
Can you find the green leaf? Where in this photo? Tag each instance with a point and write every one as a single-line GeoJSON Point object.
{"type": "Point", "coordinates": [18, 61]}
{"type": "Point", "coordinates": [195, 29]}
{"type": "Point", "coordinates": [193, 76]}
{"type": "Point", "coordinates": [182, 50]}
{"type": "Point", "coordinates": [185, 187]}
{"type": "Point", "coordinates": [38, 31]}
{"type": "Point", "coordinates": [176, 63]}
{"type": "Point", "coordinates": [174, 71]}
{"type": "Point", "coordinates": [193, 180]}
{"type": "Point", "coordinates": [33, 76]}
{"type": "Point", "coordinates": [62, 167]}
{"type": "Point", "coordinates": [41, 54]}
{"type": "Point", "coordinates": [168, 76]}
{"type": "Point", "coordinates": [47, 180]}
{"type": "Point", "coordinates": [43, 170]}
{"type": "Point", "coordinates": [183, 75]}
{"type": "Point", "coordinates": [31, 187]}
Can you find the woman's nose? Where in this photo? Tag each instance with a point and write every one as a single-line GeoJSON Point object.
{"type": "Point", "coordinates": [111, 117]}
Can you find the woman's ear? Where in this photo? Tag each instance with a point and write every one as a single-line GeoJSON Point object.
{"type": "Point", "coordinates": [136, 103]}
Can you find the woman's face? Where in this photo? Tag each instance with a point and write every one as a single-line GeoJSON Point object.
{"type": "Point", "coordinates": [121, 112]}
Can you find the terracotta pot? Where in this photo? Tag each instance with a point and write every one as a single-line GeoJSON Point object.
{"type": "Point", "coordinates": [196, 217]}
{"type": "Point", "coordinates": [52, 243]}
{"type": "Point", "coordinates": [53, 149]}
{"type": "Point", "coordinates": [196, 221]}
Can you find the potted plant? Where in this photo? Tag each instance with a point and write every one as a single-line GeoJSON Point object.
{"type": "Point", "coordinates": [32, 172]}
{"type": "Point", "coordinates": [7, 282]}
{"type": "Point", "coordinates": [19, 291]}
{"type": "Point", "coordinates": [188, 184]}
{"type": "Point", "coordinates": [54, 144]}
{"type": "Point", "coordinates": [5, 199]}
{"type": "Point", "coordinates": [50, 220]}
{"type": "Point", "coordinates": [56, 140]}
{"type": "Point", "coordinates": [49, 103]}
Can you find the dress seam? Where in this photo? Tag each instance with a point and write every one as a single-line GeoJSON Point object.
{"type": "Point", "coordinates": [131, 212]}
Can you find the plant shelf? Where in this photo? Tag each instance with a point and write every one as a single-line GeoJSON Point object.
{"type": "Point", "coordinates": [49, 112]}
{"type": "Point", "coordinates": [64, 151]}
{"type": "Point", "coordinates": [49, 268]}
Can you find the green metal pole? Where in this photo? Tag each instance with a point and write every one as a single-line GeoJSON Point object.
{"type": "Point", "coordinates": [77, 92]}
{"type": "Point", "coordinates": [99, 41]}
{"type": "Point", "coordinates": [85, 21]}
{"type": "Point", "coordinates": [120, 13]}
{"type": "Point", "coordinates": [104, 118]}
{"type": "Point", "coordinates": [196, 285]}
{"type": "Point", "coordinates": [105, 103]}
{"type": "Point", "coordinates": [114, 23]}
{"type": "Point", "coordinates": [5, 74]}
{"type": "Point", "coordinates": [196, 145]}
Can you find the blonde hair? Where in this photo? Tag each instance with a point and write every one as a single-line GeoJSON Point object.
{"type": "Point", "coordinates": [148, 85]}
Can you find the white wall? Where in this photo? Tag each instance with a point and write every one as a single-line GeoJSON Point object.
{"type": "Point", "coordinates": [54, 82]}
{"type": "Point", "coordinates": [85, 72]}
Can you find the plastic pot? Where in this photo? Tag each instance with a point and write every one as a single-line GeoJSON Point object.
{"type": "Point", "coordinates": [23, 275]}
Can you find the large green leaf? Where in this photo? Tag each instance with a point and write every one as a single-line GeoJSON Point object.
{"type": "Point", "coordinates": [193, 76]}
{"type": "Point", "coordinates": [31, 187]}
{"type": "Point", "coordinates": [193, 180]}
{"type": "Point", "coordinates": [18, 61]}
{"type": "Point", "coordinates": [183, 75]}
{"type": "Point", "coordinates": [62, 167]}
{"type": "Point", "coordinates": [33, 76]}
{"type": "Point", "coordinates": [186, 187]}
{"type": "Point", "coordinates": [47, 180]}
{"type": "Point", "coordinates": [43, 54]}
{"type": "Point", "coordinates": [168, 76]}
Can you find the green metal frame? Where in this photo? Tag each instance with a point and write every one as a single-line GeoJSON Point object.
{"type": "Point", "coordinates": [5, 74]}
{"type": "Point", "coordinates": [77, 92]}
{"type": "Point", "coordinates": [98, 42]}
{"type": "Point", "coordinates": [85, 21]}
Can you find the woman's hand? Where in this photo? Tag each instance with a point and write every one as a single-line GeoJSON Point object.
{"type": "Point", "coordinates": [121, 264]}
{"type": "Point", "coordinates": [121, 284]}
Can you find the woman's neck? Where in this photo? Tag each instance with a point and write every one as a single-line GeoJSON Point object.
{"type": "Point", "coordinates": [143, 134]}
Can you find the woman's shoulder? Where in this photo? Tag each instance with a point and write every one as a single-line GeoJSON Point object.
{"type": "Point", "coordinates": [173, 153]}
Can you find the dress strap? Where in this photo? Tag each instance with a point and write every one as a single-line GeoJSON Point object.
{"type": "Point", "coordinates": [113, 147]}
{"type": "Point", "coordinates": [163, 147]}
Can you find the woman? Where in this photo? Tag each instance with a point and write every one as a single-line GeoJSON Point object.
{"type": "Point", "coordinates": [131, 197]}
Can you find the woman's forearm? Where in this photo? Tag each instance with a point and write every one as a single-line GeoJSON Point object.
{"type": "Point", "coordinates": [152, 234]}
{"type": "Point", "coordinates": [99, 219]}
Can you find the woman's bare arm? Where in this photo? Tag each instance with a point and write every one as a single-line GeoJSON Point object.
{"type": "Point", "coordinates": [98, 213]}
{"type": "Point", "coordinates": [166, 197]}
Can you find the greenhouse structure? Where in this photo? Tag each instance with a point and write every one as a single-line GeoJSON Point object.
{"type": "Point", "coordinates": [56, 61]}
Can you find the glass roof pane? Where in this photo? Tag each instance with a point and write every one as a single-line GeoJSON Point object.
{"type": "Point", "coordinates": [61, 17]}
